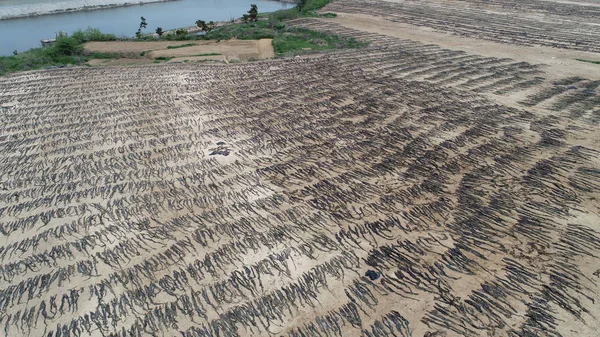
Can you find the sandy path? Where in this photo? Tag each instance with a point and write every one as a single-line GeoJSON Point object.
{"type": "Point", "coordinates": [265, 49]}
{"type": "Point", "coordinates": [227, 50]}
{"type": "Point", "coordinates": [127, 46]}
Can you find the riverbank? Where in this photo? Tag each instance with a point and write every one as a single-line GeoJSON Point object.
{"type": "Point", "coordinates": [285, 41]}
{"type": "Point", "coordinates": [26, 33]}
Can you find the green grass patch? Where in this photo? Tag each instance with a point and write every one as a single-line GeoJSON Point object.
{"type": "Point", "coordinates": [286, 41]}
{"type": "Point", "coordinates": [243, 31]}
{"type": "Point", "coordinates": [181, 46]}
{"type": "Point", "coordinates": [311, 5]}
{"type": "Point", "coordinates": [299, 41]}
{"type": "Point", "coordinates": [283, 15]}
{"type": "Point", "coordinates": [588, 61]}
{"type": "Point", "coordinates": [163, 58]}
{"type": "Point", "coordinates": [36, 59]}
{"type": "Point", "coordinates": [328, 15]}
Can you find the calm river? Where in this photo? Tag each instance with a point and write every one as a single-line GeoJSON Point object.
{"type": "Point", "coordinates": [25, 33]}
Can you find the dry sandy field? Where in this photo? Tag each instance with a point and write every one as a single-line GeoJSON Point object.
{"type": "Point", "coordinates": [184, 51]}
{"type": "Point", "coordinates": [443, 181]}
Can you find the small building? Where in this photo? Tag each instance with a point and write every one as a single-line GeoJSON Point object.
{"type": "Point", "coordinates": [47, 42]}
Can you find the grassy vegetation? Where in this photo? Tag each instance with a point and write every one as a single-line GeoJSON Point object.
{"type": "Point", "coordinates": [311, 5]}
{"type": "Point", "coordinates": [92, 34]}
{"type": "Point", "coordinates": [286, 41]}
{"type": "Point", "coordinates": [65, 51]}
{"type": "Point", "coordinates": [163, 58]}
{"type": "Point", "coordinates": [243, 31]}
{"type": "Point", "coordinates": [303, 9]}
{"type": "Point", "coordinates": [181, 46]}
{"type": "Point", "coordinates": [299, 40]}
{"type": "Point", "coordinates": [588, 61]}
{"type": "Point", "coordinates": [328, 15]}
{"type": "Point", "coordinates": [282, 15]}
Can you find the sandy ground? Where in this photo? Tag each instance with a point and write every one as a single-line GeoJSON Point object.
{"type": "Point", "coordinates": [216, 58]}
{"type": "Point", "coordinates": [137, 47]}
{"type": "Point", "coordinates": [242, 50]}
{"type": "Point", "coordinates": [428, 185]}
{"type": "Point", "coordinates": [119, 62]}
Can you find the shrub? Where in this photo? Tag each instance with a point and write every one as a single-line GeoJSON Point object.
{"type": "Point", "coordinates": [63, 52]}
{"type": "Point", "coordinates": [92, 34]}
{"type": "Point", "coordinates": [329, 15]}
{"type": "Point", "coordinates": [181, 46]}
{"type": "Point", "coordinates": [205, 27]}
{"type": "Point", "coordinates": [282, 15]}
{"type": "Point", "coordinates": [66, 46]}
{"type": "Point", "coordinates": [181, 32]}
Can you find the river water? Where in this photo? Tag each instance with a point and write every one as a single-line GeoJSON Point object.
{"type": "Point", "coordinates": [25, 33]}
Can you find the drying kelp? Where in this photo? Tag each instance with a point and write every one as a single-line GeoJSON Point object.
{"type": "Point", "coordinates": [304, 197]}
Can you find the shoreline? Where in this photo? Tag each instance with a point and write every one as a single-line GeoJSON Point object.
{"type": "Point", "coordinates": [80, 9]}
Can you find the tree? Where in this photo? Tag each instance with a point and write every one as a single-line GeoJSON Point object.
{"type": "Point", "coordinates": [300, 4]}
{"type": "Point", "coordinates": [143, 25]}
{"type": "Point", "coordinates": [205, 27]}
{"type": "Point", "coordinates": [252, 15]}
{"type": "Point", "coordinates": [159, 31]}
